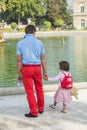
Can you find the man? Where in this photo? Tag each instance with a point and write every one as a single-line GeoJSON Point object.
{"type": "Point", "coordinates": [30, 62]}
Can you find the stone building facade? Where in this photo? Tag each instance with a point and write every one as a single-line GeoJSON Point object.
{"type": "Point", "coordinates": [80, 14]}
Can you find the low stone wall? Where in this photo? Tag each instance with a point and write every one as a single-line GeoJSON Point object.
{"type": "Point", "coordinates": [45, 34]}
{"type": "Point", "coordinates": [47, 88]}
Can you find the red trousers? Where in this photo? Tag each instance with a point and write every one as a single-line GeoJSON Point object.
{"type": "Point", "coordinates": [32, 80]}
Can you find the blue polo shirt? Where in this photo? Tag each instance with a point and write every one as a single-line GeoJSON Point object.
{"type": "Point", "coordinates": [30, 48]}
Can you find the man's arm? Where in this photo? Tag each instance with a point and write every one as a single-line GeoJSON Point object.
{"type": "Point", "coordinates": [43, 62]}
{"type": "Point", "coordinates": [19, 64]}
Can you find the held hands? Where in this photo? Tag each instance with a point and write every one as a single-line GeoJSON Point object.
{"type": "Point", "coordinates": [45, 76]}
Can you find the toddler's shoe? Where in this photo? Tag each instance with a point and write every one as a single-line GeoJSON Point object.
{"type": "Point", "coordinates": [52, 106]}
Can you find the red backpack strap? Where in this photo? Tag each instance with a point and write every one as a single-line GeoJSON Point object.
{"type": "Point", "coordinates": [64, 75]}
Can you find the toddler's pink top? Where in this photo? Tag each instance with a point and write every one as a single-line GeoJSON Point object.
{"type": "Point", "coordinates": [59, 77]}
{"type": "Point", "coordinates": [61, 95]}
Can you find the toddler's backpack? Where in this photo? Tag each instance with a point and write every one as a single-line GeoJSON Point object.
{"type": "Point", "coordinates": [67, 82]}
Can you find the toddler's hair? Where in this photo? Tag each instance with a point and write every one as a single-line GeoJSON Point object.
{"type": "Point", "coordinates": [64, 65]}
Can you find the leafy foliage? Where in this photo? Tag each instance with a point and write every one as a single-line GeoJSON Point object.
{"type": "Point", "coordinates": [13, 25]}
{"type": "Point", "coordinates": [54, 11]}
{"type": "Point", "coordinates": [57, 9]}
{"type": "Point", "coordinates": [58, 23]}
{"type": "Point", "coordinates": [47, 25]}
{"type": "Point", "coordinates": [2, 6]}
{"type": "Point", "coordinates": [18, 10]}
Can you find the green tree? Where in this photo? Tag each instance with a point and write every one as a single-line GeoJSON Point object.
{"type": "Point", "coordinates": [63, 12]}
{"type": "Point", "coordinates": [38, 10]}
{"type": "Point", "coordinates": [52, 10]}
{"type": "Point", "coordinates": [2, 6]}
{"type": "Point", "coordinates": [57, 9]}
{"type": "Point", "coordinates": [20, 10]}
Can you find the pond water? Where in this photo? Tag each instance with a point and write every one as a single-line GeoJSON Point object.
{"type": "Point", "coordinates": [72, 48]}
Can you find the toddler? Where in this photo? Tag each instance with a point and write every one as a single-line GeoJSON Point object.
{"type": "Point", "coordinates": [62, 95]}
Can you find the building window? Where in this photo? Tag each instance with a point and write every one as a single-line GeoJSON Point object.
{"type": "Point", "coordinates": [82, 23]}
{"type": "Point", "coordinates": [82, 8]}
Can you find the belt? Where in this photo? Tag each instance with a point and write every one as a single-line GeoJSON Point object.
{"type": "Point", "coordinates": [28, 65]}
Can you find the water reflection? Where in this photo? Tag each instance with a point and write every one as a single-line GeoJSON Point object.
{"type": "Point", "coordinates": [8, 64]}
{"type": "Point", "coordinates": [73, 49]}
{"type": "Point", "coordinates": [80, 47]}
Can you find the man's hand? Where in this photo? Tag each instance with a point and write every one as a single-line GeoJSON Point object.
{"type": "Point", "coordinates": [45, 76]}
{"type": "Point", "coordinates": [19, 78]}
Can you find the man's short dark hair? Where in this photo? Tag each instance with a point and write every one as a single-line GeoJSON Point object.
{"type": "Point", "coordinates": [30, 29]}
{"type": "Point", "coordinates": [64, 65]}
